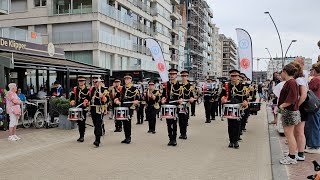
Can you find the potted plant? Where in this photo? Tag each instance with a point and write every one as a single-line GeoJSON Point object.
{"type": "Point", "coordinates": [61, 106]}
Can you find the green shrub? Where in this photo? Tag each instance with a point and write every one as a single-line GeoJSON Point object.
{"type": "Point", "coordinates": [59, 105]}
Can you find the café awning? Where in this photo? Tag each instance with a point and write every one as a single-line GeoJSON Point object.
{"type": "Point", "coordinates": [54, 64]}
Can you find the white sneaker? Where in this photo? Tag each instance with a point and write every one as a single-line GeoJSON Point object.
{"type": "Point", "coordinates": [287, 161]}
{"type": "Point", "coordinates": [15, 136]}
{"type": "Point", "coordinates": [12, 138]}
{"type": "Point", "coordinates": [312, 151]}
{"type": "Point", "coordinates": [298, 158]}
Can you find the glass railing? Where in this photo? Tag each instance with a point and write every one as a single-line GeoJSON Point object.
{"type": "Point", "coordinates": [113, 40]}
{"type": "Point", "coordinates": [66, 37]}
{"type": "Point", "coordinates": [113, 13]}
{"type": "Point", "coordinates": [68, 9]}
{"type": "Point", "coordinates": [21, 35]}
{"type": "Point", "coordinates": [4, 6]}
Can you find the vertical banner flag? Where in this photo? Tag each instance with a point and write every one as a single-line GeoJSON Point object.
{"type": "Point", "coordinates": [245, 52]}
{"type": "Point", "coordinates": [157, 55]}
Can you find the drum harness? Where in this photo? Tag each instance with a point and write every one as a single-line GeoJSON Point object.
{"type": "Point", "coordinates": [75, 97]}
{"type": "Point", "coordinates": [233, 93]}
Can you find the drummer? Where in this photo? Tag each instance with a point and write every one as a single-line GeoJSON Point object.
{"type": "Point", "coordinates": [116, 89]}
{"type": "Point", "coordinates": [186, 94]}
{"type": "Point", "coordinates": [80, 95]}
{"type": "Point", "coordinates": [244, 118]}
{"type": "Point", "coordinates": [235, 96]}
{"type": "Point", "coordinates": [208, 101]}
{"type": "Point", "coordinates": [128, 97]}
{"type": "Point", "coordinates": [152, 99]}
{"type": "Point", "coordinates": [98, 97]}
{"type": "Point", "coordinates": [172, 92]}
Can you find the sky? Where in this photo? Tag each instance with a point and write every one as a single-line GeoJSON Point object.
{"type": "Point", "coordinates": [296, 20]}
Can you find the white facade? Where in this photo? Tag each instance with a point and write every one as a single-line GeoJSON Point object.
{"type": "Point", "coordinates": [104, 33]}
{"type": "Point", "coordinates": [275, 65]}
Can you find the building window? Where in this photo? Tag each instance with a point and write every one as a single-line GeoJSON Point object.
{"type": "Point", "coordinates": [40, 3]}
{"type": "Point", "coordinates": [80, 56]}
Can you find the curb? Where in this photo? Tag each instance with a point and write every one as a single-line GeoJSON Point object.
{"type": "Point", "coordinates": [278, 171]}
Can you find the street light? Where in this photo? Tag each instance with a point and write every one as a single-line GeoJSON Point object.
{"type": "Point", "coordinates": [278, 36]}
{"type": "Point", "coordinates": [285, 56]}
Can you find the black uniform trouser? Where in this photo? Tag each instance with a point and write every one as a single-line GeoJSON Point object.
{"type": "Point", "coordinates": [193, 108]}
{"type": "Point", "coordinates": [213, 110]}
{"type": "Point", "coordinates": [82, 124]}
{"type": "Point", "coordinates": [172, 129]}
{"type": "Point", "coordinates": [244, 119]}
{"type": "Point", "coordinates": [127, 125]}
{"type": "Point", "coordinates": [183, 120]}
{"type": "Point", "coordinates": [151, 114]}
{"type": "Point", "coordinates": [207, 107]}
{"type": "Point", "coordinates": [216, 107]}
{"type": "Point", "coordinates": [219, 108]}
{"type": "Point", "coordinates": [140, 114]}
{"type": "Point", "coordinates": [97, 122]}
{"type": "Point", "coordinates": [233, 130]}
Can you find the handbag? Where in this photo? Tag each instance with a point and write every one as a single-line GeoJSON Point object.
{"type": "Point", "coordinates": [312, 103]}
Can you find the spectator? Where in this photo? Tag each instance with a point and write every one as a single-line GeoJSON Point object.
{"type": "Point", "coordinates": [260, 91]}
{"type": "Point", "coordinates": [312, 128]}
{"type": "Point", "coordinates": [57, 90]}
{"type": "Point", "coordinates": [21, 96]}
{"type": "Point", "coordinates": [41, 94]}
{"type": "Point", "coordinates": [302, 81]}
{"type": "Point", "coordinates": [288, 104]}
{"type": "Point", "coordinates": [14, 110]}
{"type": "Point", "coordinates": [272, 97]}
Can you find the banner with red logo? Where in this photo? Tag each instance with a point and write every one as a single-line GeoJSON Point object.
{"type": "Point", "coordinates": [157, 55]}
{"type": "Point", "coordinates": [245, 52]}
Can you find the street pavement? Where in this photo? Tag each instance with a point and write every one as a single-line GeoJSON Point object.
{"type": "Point", "coordinates": [47, 154]}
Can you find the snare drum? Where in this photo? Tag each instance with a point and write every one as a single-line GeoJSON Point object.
{"type": "Point", "coordinates": [182, 108]}
{"type": "Point", "coordinates": [75, 114]}
{"type": "Point", "coordinates": [168, 111]}
{"type": "Point", "coordinates": [231, 111]}
{"type": "Point", "coordinates": [254, 106]}
{"type": "Point", "coordinates": [121, 113]}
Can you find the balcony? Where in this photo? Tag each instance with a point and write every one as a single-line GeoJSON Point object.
{"type": "Point", "coordinates": [210, 12]}
{"type": "Point", "coordinates": [4, 7]}
{"type": "Point", "coordinates": [174, 58]}
{"type": "Point", "coordinates": [22, 35]}
{"type": "Point", "coordinates": [174, 44]}
{"type": "Point", "coordinates": [175, 13]}
{"type": "Point", "coordinates": [174, 29]}
{"type": "Point", "coordinates": [76, 8]}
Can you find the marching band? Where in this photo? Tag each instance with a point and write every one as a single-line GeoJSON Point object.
{"type": "Point", "coordinates": [170, 100]}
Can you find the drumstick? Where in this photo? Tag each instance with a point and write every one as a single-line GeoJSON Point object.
{"type": "Point", "coordinates": [129, 102]}
{"type": "Point", "coordinates": [185, 100]}
{"type": "Point", "coordinates": [79, 105]}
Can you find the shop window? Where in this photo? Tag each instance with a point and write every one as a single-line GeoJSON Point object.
{"type": "Point", "coordinates": [39, 3]}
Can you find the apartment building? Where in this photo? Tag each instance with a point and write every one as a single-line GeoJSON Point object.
{"type": "Point", "coordinates": [199, 46]}
{"type": "Point", "coordinates": [229, 55]}
{"type": "Point", "coordinates": [275, 65]}
{"type": "Point", "coordinates": [105, 33]}
{"type": "Point", "coordinates": [215, 67]}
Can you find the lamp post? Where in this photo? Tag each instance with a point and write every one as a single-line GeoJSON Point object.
{"type": "Point", "coordinates": [278, 36]}
{"type": "Point", "coordinates": [292, 41]}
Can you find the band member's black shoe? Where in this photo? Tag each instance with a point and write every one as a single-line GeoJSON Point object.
{"type": "Point", "coordinates": [240, 139]}
{"type": "Point", "coordinates": [208, 121]}
{"type": "Point", "coordinates": [126, 141]}
{"type": "Point", "coordinates": [81, 139]}
{"type": "Point", "coordinates": [96, 143]}
{"type": "Point", "coordinates": [230, 145]}
{"type": "Point", "coordinates": [241, 133]}
{"type": "Point", "coordinates": [236, 145]}
{"type": "Point", "coordinates": [149, 131]}
{"type": "Point", "coordinates": [170, 143]}
{"type": "Point", "coordinates": [174, 142]}
{"type": "Point", "coordinates": [184, 137]}
{"type": "Point", "coordinates": [138, 123]}
{"type": "Point", "coordinates": [222, 119]}
{"type": "Point", "coordinates": [180, 137]}
{"type": "Point", "coordinates": [153, 132]}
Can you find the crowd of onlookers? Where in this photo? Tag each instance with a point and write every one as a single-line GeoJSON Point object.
{"type": "Point", "coordinates": [287, 94]}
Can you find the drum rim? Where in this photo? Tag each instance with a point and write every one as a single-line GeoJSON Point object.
{"type": "Point", "coordinates": [75, 109]}
{"type": "Point", "coordinates": [122, 108]}
{"type": "Point", "coordinates": [173, 106]}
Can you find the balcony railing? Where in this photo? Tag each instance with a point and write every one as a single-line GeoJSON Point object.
{"type": "Point", "coordinates": [4, 6]}
{"type": "Point", "coordinates": [68, 9]}
{"type": "Point", "coordinates": [21, 34]}
{"type": "Point", "coordinates": [69, 37]}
